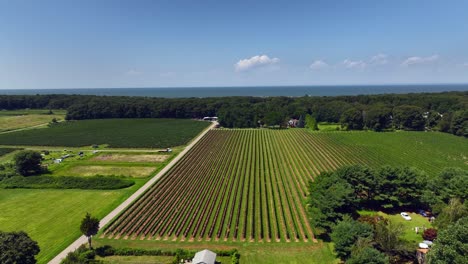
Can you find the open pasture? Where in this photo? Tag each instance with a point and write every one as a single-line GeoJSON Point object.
{"type": "Point", "coordinates": [250, 185]}
{"type": "Point", "coordinates": [118, 133]}
{"type": "Point", "coordinates": [21, 119]}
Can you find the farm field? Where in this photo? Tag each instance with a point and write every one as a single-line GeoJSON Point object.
{"type": "Point", "coordinates": [117, 133]}
{"type": "Point", "coordinates": [92, 170]}
{"type": "Point", "coordinates": [250, 185]}
{"type": "Point", "coordinates": [19, 119]}
{"type": "Point", "coordinates": [52, 217]}
{"type": "Point", "coordinates": [125, 157]}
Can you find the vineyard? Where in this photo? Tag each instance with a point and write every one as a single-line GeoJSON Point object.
{"type": "Point", "coordinates": [251, 185]}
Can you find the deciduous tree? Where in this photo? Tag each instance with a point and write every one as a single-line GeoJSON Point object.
{"type": "Point", "coordinates": [17, 247]}
{"type": "Point", "coordinates": [89, 227]}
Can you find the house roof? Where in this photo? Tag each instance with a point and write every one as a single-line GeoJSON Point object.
{"type": "Point", "coordinates": [204, 257]}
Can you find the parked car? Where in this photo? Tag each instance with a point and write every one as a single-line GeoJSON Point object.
{"type": "Point", "coordinates": [423, 213]}
{"type": "Point", "coordinates": [405, 216]}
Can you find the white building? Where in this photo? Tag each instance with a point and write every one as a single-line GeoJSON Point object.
{"type": "Point", "coordinates": [204, 257]}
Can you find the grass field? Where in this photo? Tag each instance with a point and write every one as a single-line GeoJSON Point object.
{"type": "Point", "coordinates": [409, 234]}
{"type": "Point", "coordinates": [118, 133]}
{"type": "Point", "coordinates": [252, 184]}
{"type": "Point", "coordinates": [52, 217]}
{"type": "Point", "coordinates": [251, 253]}
{"type": "Point", "coordinates": [19, 119]}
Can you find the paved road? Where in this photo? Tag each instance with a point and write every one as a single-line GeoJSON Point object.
{"type": "Point", "coordinates": [82, 240]}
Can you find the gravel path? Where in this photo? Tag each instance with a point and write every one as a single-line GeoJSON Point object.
{"type": "Point", "coordinates": [82, 240]}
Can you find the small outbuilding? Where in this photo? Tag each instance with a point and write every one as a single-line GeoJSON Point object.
{"type": "Point", "coordinates": [204, 257]}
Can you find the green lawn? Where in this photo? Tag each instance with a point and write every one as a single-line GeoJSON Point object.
{"type": "Point", "coordinates": [251, 253]}
{"type": "Point", "coordinates": [409, 234]}
{"type": "Point", "coordinates": [52, 217]}
{"type": "Point", "coordinates": [119, 133]}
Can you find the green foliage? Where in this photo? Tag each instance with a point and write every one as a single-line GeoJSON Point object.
{"type": "Point", "coordinates": [301, 122]}
{"type": "Point", "coordinates": [459, 123]}
{"type": "Point", "coordinates": [28, 162]}
{"type": "Point", "coordinates": [399, 187]}
{"type": "Point", "coordinates": [451, 213]}
{"type": "Point", "coordinates": [451, 245]}
{"type": "Point", "coordinates": [408, 117]}
{"type": "Point", "coordinates": [4, 151]}
{"type": "Point", "coordinates": [362, 179]}
{"type": "Point", "coordinates": [367, 255]}
{"type": "Point", "coordinates": [345, 234]}
{"type": "Point", "coordinates": [378, 118]}
{"type": "Point", "coordinates": [275, 119]}
{"type": "Point", "coordinates": [388, 237]}
{"type": "Point", "coordinates": [311, 123]}
{"type": "Point", "coordinates": [237, 116]}
{"type": "Point", "coordinates": [330, 199]}
{"type": "Point", "coordinates": [182, 254]}
{"type": "Point", "coordinates": [352, 119]}
{"type": "Point", "coordinates": [450, 183]}
{"type": "Point", "coordinates": [119, 133]}
{"type": "Point", "coordinates": [66, 182]}
{"type": "Point", "coordinates": [235, 258]}
{"type": "Point", "coordinates": [81, 255]}
{"type": "Point", "coordinates": [89, 227]}
{"type": "Point", "coordinates": [17, 247]}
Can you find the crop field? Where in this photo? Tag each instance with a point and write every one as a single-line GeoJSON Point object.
{"type": "Point", "coordinates": [250, 185]}
{"type": "Point", "coordinates": [106, 170]}
{"type": "Point", "coordinates": [118, 133]}
{"type": "Point", "coordinates": [125, 157]}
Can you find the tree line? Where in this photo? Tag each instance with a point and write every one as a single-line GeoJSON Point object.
{"type": "Point", "coordinates": [446, 112]}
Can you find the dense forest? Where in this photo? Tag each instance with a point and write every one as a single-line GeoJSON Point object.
{"type": "Point", "coordinates": [446, 112]}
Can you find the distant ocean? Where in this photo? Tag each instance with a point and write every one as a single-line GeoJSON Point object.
{"type": "Point", "coordinates": [260, 91]}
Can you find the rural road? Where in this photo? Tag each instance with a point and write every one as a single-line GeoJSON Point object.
{"type": "Point", "coordinates": [82, 239]}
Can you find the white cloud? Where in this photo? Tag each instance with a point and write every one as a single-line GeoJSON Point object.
{"type": "Point", "coordinates": [318, 65]}
{"type": "Point", "coordinates": [255, 61]}
{"type": "Point", "coordinates": [349, 64]}
{"type": "Point", "coordinates": [465, 64]}
{"type": "Point", "coordinates": [419, 60]}
{"type": "Point", "coordinates": [133, 72]}
{"type": "Point", "coordinates": [379, 59]}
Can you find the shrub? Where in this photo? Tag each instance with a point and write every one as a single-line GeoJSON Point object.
{"type": "Point", "coordinates": [430, 234]}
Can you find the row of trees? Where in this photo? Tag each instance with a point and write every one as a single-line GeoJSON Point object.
{"type": "Point", "coordinates": [442, 111]}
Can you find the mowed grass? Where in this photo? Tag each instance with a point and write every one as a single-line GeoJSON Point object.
{"type": "Point", "coordinates": [107, 170]}
{"type": "Point", "coordinates": [17, 122]}
{"type": "Point", "coordinates": [409, 233]}
{"type": "Point", "coordinates": [251, 253]}
{"type": "Point", "coordinates": [52, 217]}
{"type": "Point", "coordinates": [19, 119]}
{"type": "Point", "coordinates": [118, 133]}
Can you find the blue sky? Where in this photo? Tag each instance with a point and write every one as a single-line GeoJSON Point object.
{"type": "Point", "coordinates": [140, 43]}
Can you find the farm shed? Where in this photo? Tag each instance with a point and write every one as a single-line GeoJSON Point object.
{"type": "Point", "coordinates": [204, 257]}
